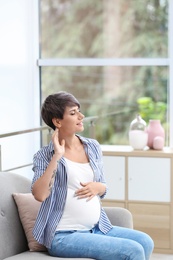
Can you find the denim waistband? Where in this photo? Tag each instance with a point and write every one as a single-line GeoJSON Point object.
{"type": "Point", "coordinates": [72, 231]}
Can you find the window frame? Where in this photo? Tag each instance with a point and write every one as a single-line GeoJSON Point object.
{"type": "Point", "coordinates": [128, 62]}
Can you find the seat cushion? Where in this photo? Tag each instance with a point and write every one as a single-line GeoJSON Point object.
{"type": "Point", "coordinates": [40, 256]}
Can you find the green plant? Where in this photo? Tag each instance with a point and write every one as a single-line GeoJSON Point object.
{"type": "Point", "coordinates": [150, 109]}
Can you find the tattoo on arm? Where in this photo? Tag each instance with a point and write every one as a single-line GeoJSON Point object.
{"type": "Point", "coordinates": [52, 180]}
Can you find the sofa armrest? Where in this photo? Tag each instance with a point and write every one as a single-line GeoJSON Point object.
{"type": "Point", "coordinates": [119, 216]}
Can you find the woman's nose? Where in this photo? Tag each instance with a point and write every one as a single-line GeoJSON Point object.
{"type": "Point", "coordinates": [81, 115]}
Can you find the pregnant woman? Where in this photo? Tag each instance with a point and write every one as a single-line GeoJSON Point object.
{"type": "Point", "coordinates": [69, 181]}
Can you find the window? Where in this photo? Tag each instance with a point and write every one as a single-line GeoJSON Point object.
{"type": "Point", "coordinates": [109, 54]}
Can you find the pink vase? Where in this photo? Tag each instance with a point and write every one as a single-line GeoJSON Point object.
{"type": "Point", "coordinates": [156, 135]}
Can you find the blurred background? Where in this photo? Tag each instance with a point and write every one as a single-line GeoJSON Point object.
{"type": "Point", "coordinates": [120, 29]}
{"type": "Point", "coordinates": [115, 56]}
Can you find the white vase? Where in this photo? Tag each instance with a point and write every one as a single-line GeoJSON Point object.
{"type": "Point", "coordinates": [138, 139]}
{"type": "Point", "coordinates": [138, 136]}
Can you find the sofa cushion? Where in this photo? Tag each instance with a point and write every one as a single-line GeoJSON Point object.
{"type": "Point", "coordinates": [28, 209]}
{"type": "Point", "coordinates": [40, 256]}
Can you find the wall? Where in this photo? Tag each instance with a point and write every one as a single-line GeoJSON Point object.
{"type": "Point", "coordinates": [19, 81]}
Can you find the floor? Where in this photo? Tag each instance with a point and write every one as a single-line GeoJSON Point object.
{"type": "Point", "coordinates": [161, 257]}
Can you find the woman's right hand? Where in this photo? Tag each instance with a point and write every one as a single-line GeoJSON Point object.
{"type": "Point", "coordinates": [59, 148]}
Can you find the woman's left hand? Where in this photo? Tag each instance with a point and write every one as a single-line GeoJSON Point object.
{"type": "Point", "coordinates": [90, 189]}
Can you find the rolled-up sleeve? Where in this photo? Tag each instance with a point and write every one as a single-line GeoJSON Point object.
{"type": "Point", "coordinates": [40, 163]}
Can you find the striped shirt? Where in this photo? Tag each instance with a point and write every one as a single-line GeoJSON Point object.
{"type": "Point", "coordinates": [51, 209]}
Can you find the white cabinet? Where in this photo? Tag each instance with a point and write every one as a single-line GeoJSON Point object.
{"type": "Point", "coordinates": [149, 179]}
{"type": "Point", "coordinates": [142, 182]}
{"type": "Point", "coordinates": [114, 169]}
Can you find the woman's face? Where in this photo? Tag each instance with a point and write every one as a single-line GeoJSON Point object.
{"type": "Point", "coordinates": [72, 120]}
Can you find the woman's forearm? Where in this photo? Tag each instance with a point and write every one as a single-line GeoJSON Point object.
{"type": "Point", "coordinates": [42, 187]}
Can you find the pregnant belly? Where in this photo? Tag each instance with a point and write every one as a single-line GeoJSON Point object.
{"type": "Point", "coordinates": [79, 213]}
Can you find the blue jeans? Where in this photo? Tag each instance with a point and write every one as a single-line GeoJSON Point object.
{"type": "Point", "coordinates": [119, 243]}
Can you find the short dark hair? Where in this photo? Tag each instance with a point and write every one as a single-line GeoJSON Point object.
{"type": "Point", "coordinates": [54, 106]}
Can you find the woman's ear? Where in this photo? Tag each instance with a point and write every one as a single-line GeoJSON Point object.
{"type": "Point", "coordinates": [56, 122]}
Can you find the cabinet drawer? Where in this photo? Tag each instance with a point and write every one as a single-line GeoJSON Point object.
{"type": "Point", "coordinates": [154, 220]}
{"type": "Point", "coordinates": [149, 179]}
{"type": "Point", "coordinates": [114, 169]}
{"type": "Point", "coordinates": [112, 203]}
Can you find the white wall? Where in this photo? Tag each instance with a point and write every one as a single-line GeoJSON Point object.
{"type": "Point", "coordinates": [19, 81]}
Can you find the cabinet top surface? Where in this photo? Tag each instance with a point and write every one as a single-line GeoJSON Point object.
{"type": "Point", "coordinates": [129, 151]}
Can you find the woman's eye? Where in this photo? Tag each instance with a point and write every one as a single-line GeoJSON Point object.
{"type": "Point", "coordinates": [74, 112]}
